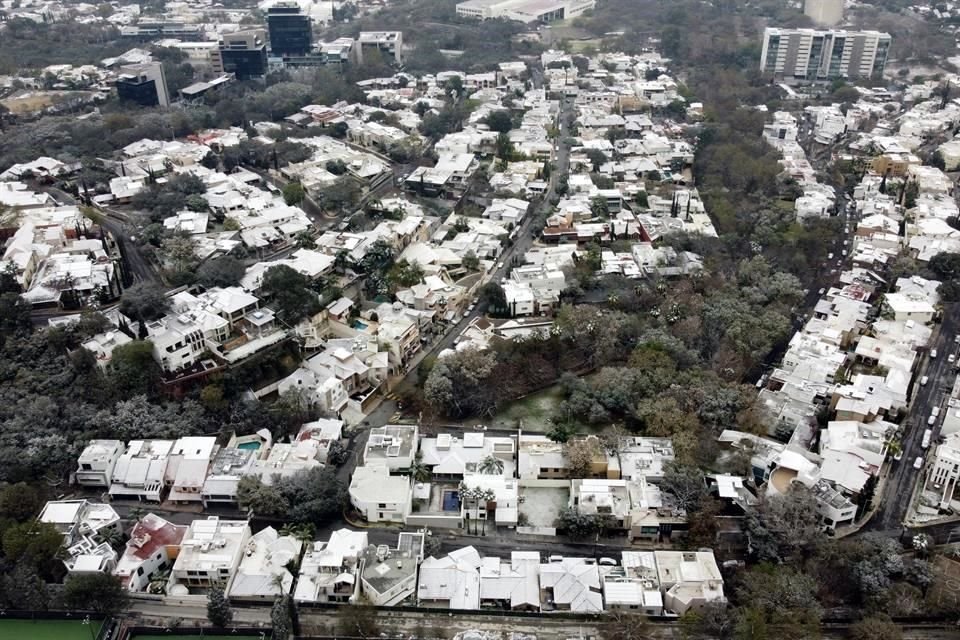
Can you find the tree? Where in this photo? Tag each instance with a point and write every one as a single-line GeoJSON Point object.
{"type": "Point", "coordinates": [580, 525]}
{"type": "Point", "coordinates": [499, 121]}
{"type": "Point", "coordinates": [623, 625]}
{"type": "Point", "coordinates": [418, 470]}
{"type": "Point", "coordinates": [687, 485]}
{"type": "Point", "coordinates": [945, 265]}
{"type": "Point", "coordinates": [781, 527]}
{"type": "Point", "coordinates": [290, 293]}
{"type": "Point", "coordinates": [133, 371]}
{"type": "Point", "coordinates": [597, 159]}
{"type": "Point", "coordinates": [877, 627]}
{"type": "Point", "coordinates": [458, 384]}
{"type": "Point", "coordinates": [305, 240]}
{"type": "Point", "coordinates": [470, 261]}
{"type": "Point", "coordinates": [490, 465]}
{"type": "Point", "coordinates": [342, 193]}
{"type": "Point", "coordinates": [263, 500]}
{"type": "Point", "coordinates": [599, 208]}
{"type": "Point", "coordinates": [32, 542]}
{"type": "Point", "coordinates": [505, 148]}
{"type": "Point", "coordinates": [293, 193]}
{"type": "Point", "coordinates": [20, 502]}
{"type": "Point", "coordinates": [23, 588]}
{"type": "Point", "coordinates": [100, 592]}
{"type": "Point", "coordinates": [219, 612]}
{"type": "Point", "coordinates": [781, 597]}
{"type": "Point", "coordinates": [581, 454]}
{"type": "Point", "coordinates": [14, 314]}
{"type": "Point", "coordinates": [315, 496]}
{"type": "Point", "coordinates": [144, 301]}
{"type": "Point", "coordinates": [225, 271]}
{"type": "Point", "coordinates": [493, 295]}
{"type": "Point", "coordinates": [713, 620]}
{"type": "Point", "coordinates": [280, 618]}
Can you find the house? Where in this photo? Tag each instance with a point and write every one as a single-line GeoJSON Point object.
{"type": "Point", "coordinates": [263, 572]}
{"type": "Point", "coordinates": [210, 553]}
{"type": "Point", "coordinates": [513, 585]}
{"type": "Point", "coordinates": [141, 472]}
{"type": "Point", "coordinates": [151, 549]}
{"type": "Point", "coordinates": [389, 576]}
{"type": "Point", "coordinates": [85, 527]}
{"type": "Point", "coordinates": [450, 458]}
{"type": "Point", "coordinates": [328, 571]}
{"type": "Point", "coordinates": [227, 468]}
{"type": "Point", "coordinates": [945, 471]}
{"type": "Point", "coordinates": [451, 582]}
{"type": "Point", "coordinates": [189, 462]}
{"type": "Point", "coordinates": [379, 496]}
{"type": "Point", "coordinates": [688, 579]}
{"type": "Point", "coordinates": [542, 458]}
{"type": "Point", "coordinates": [392, 446]}
{"type": "Point", "coordinates": [97, 461]}
{"type": "Point", "coordinates": [501, 498]}
{"type": "Point", "coordinates": [324, 432]}
{"type": "Point", "coordinates": [571, 584]}
{"type": "Point", "coordinates": [634, 585]}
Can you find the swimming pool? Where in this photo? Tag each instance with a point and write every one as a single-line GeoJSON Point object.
{"type": "Point", "coordinates": [359, 326]}
{"type": "Point", "coordinates": [249, 446]}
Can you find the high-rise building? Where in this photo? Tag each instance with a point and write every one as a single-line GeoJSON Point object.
{"type": "Point", "coordinates": [826, 13]}
{"type": "Point", "coordinates": [144, 84]}
{"type": "Point", "coordinates": [291, 32]}
{"type": "Point", "coordinates": [808, 54]}
{"type": "Point", "coordinates": [243, 53]}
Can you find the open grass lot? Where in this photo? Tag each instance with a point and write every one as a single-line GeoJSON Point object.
{"type": "Point", "coordinates": [48, 630]}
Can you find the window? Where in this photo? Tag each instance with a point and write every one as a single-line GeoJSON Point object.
{"type": "Point", "coordinates": [139, 571]}
{"type": "Point", "coordinates": [382, 505]}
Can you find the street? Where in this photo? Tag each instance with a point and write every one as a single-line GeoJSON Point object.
{"type": "Point", "coordinates": [940, 373]}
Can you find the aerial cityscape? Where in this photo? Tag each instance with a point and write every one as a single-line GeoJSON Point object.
{"type": "Point", "coordinates": [479, 320]}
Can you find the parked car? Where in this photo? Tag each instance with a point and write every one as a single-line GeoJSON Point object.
{"type": "Point", "coordinates": [923, 381]}
{"type": "Point", "coordinates": [918, 462]}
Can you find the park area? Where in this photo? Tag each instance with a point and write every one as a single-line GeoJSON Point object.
{"type": "Point", "coordinates": [49, 629]}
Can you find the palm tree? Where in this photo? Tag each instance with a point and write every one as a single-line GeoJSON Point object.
{"type": "Point", "coordinates": [419, 471]}
{"type": "Point", "coordinates": [491, 465]}
{"type": "Point", "coordinates": [303, 532]}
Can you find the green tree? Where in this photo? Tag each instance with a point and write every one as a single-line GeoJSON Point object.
{"type": "Point", "coordinates": [225, 271]}
{"type": "Point", "coordinates": [499, 121]}
{"type": "Point", "coordinates": [878, 627]}
{"type": "Point", "coordinates": [495, 298]}
{"type": "Point", "coordinates": [219, 612]}
{"type": "Point", "coordinates": [133, 371]}
{"type": "Point", "coordinates": [280, 618]}
{"type": "Point", "coordinates": [144, 302]}
{"type": "Point", "coordinates": [599, 208]}
{"type": "Point", "coordinates": [293, 193]}
{"type": "Point", "coordinates": [290, 294]}
{"type": "Point", "coordinates": [580, 525]}
{"type": "Point", "coordinates": [32, 541]}
{"type": "Point", "coordinates": [470, 261]}
{"type": "Point", "coordinates": [597, 159]}
{"type": "Point", "coordinates": [263, 500]}
{"type": "Point", "coordinates": [100, 592]}
{"type": "Point", "coordinates": [491, 465]}
{"type": "Point", "coordinates": [504, 147]}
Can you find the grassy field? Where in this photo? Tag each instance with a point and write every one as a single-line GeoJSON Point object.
{"type": "Point", "coordinates": [48, 630]}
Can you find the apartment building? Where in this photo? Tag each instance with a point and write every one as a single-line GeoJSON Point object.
{"type": "Point", "coordinates": [144, 84]}
{"type": "Point", "coordinates": [808, 54]}
{"type": "Point", "coordinates": [243, 53]}
{"type": "Point", "coordinates": [95, 465]}
{"type": "Point", "coordinates": [210, 553]}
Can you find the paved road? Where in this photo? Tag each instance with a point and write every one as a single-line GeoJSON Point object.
{"type": "Point", "coordinates": [901, 480]}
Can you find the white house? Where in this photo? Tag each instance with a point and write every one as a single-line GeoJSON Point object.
{"type": "Point", "coordinates": [95, 465]}
{"type": "Point", "coordinates": [451, 582]}
{"type": "Point", "coordinates": [328, 571]}
{"type": "Point", "coordinates": [188, 465]}
{"type": "Point", "coordinates": [263, 573]}
{"type": "Point", "coordinates": [379, 496]}
{"type": "Point", "coordinates": [141, 472]}
{"type": "Point", "coordinates": [210, 553]}
{"type": "Point", "coordinates": [389, 576]}
{"type": "Point", "coordinates": [150, 550]}
{"type": "Point", "coordinates": [689, 579]}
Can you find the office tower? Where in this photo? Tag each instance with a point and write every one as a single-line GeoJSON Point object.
{"type": "Point", "coordinates": [243, 53]}
{"type": "Point", "coordinates": [144, 84]}
{"type": "Point", "coordinates": [291, 32]}
{"type": "Point", "coordinates": [808, 54]}
{"type": "Point", "coordinates": [826, 13]}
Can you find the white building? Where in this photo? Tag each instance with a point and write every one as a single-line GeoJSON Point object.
{"type": "Point", "coordinates": [571, 584]}
{"type": "Point", "coordinates": [95, 465]}
{"type": "Point", "coordinates": [85, 526]}
{"type": "Point", "coordinates": [392, 446]}
{"type": "Point", "coordinates": [634, 585]}
{"type": "Point", "coordinates": [451, 582]}
{"type": "Point", "coordinates": [210, 553]}
{"type": "Point", "coordinates": [379, 496]}
{"type": "Point", "coordinates": [328, 571]}
{"type": "Point", "coordinates": [524, 10]}
{"type": "Point", "coordinates": [141, 472]}
{"type": "Point", "coordinates": [263, 572]}
{"type": "Point", "coordinates": [153, 544]}
{"type": "Point", "coordinates": [807, 54]}
{"type": "Point", "coordinates": [945, 470]}
{"type": "Point", "coordinates": [188, 465]}
{"type": "Point", "coordinates": [389, 576]}
{"type": "Point", "coordinates": [689, 579]}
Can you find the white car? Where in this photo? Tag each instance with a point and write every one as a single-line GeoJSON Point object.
{"type": "Point", "coordinates": [918, 463]}
{"type": "Point", "coordinates": [822, 291]}
{"type": "Point", "coordinates": [923, 381]}
{"type": "Point", "coordinates": [951, 358]}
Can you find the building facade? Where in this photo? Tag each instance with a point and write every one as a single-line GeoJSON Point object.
{"type": "Point", "coordinates": [243, 54]}
{"type": "Point", "coordinates": [291, 32]}
{"type": "Point", "coordinates": [144, 84]}
{"type": "Point", "coordinates": [808, 54]}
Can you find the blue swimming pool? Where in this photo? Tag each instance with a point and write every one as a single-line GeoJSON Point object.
{"type": "Point", "coordinates": [360, 326]}
{"type": "Point", "coordinates": [249, 446]}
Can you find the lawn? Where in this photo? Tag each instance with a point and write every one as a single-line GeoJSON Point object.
{"type": "Point", "coordinates": [48, 629]}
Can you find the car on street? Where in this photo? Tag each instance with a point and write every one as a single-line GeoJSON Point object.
{"type": "Point", "coordinates": [924, 380]}
{"type": "Point", "coordinates": [933, 354]}
{"type": "Point", "coordinates": [918, 463]}
{"type": "Point", "coordinates": [822, 291]}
